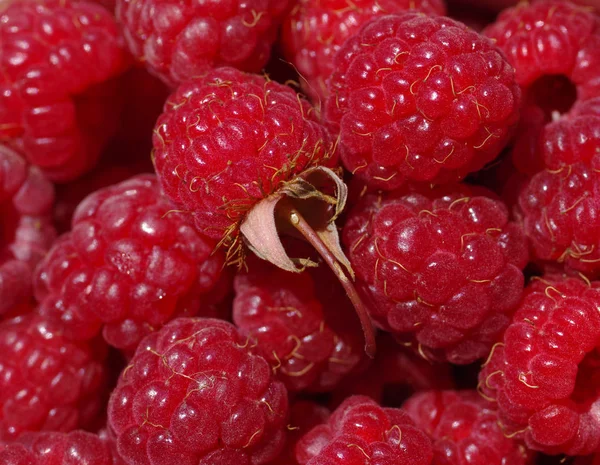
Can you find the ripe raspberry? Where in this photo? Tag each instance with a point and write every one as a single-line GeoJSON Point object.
{"type": "Point", "coordinates": [560, 215]}
{"type": "Point", "coordinates": [129, 265]}
{"type": "Point", "coordinates": [464, 429]}
{"type": "Point", "coordinates": [26, 232]}
{"type": "Point", "coordinates": [544, 375]}
{"type": "Point", "coordinates": [316, 29]}
{"type": "Point", "coordinates": [194, 395]}
{"type": "Point", "coordinates": [59, 99]}
{"type": "Point", "coordinates": [442, 268]}
{"type": "Point", "coordinates": [297, 326]}
{"type": "Point", "coordinates": [420, 98]}
{"type": "Point", "coordinates": [361, 432]}
{"type": "Point", "coordinates": [195, 37]}
{"type": "Point", "coordinates": [247, 157]}
{"type": "Point", "coordinates": [48, 383]}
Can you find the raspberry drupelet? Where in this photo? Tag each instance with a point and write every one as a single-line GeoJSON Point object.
{"type": "Point", "coordinates": [130, 264]}
{"type": "Point", "coordinates": [464, 429]}
{"type": "Point", "coordinates": [60, 60]}
{"type": "Point", "coordinates": [440, 268]}
{"type": "Point", "coordinates": [249, 161]}
{"type": "Point", "coordinates": [194, 394]}
{"type": "Point", "coordinates": [48, 383]}
{"type": "Point", "coordinates": [26, 231]}
{"type": "Point", "coordinates": [361, 432]}
{"type": "Point", "coordinates": [420, 98]}
{"type": "Point", "coordinates": [315, 30]}
{"type": "Point", "coordinates": [544, 373]}
{"type": "Point", "coordinates": [193, 37]}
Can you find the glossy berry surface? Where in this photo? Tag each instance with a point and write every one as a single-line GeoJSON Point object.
{"type": "Point", "coordinates": [464, 429]}
{"type": "Point", "coordinates": [48, 383]}
{"type": "Point", "coordinates": [420, 98]}
{"type": "Point", "coordinates": [191, 38]}
{"type": "Point", "coordinates": [59, 98]}
{"type": "Point", "coordinates": [543, 375]}
{"type": "Point", "coordinates": [230, 139]}
{"type": "Point", "coordinates": [359, 431]}
{"type": "Point", "coordinates": [440, 269]}
{"type": "Point", "coordinates": [130, 264]}
{"type": "Point", "coordinates": [194, 394]}
{"type": "Point", "coordinates": [316, 29]}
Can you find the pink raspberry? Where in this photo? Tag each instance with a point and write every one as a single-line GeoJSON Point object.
{"type": "Point", "coordinates": [316, 29]}
{"type": "Point", "coordinates": [193, 37]}
{"type": "Point", "coordinates": [544, 374]}
{"type": "Point", "coordinates": [464, 429]}
{"type": "Point", "coordinates": [48, 383]}
{"type": "Point", "coordinates": [130, 264]}
{"type": "Point", "coordinates": [418, 98]}
{"type": "Point", "coordinates": [360, 432]}
{"type": "Point", "coordinates": [295, 321]}
{"type": "Point", "coordinates": [441, 268]}
{"type": "Point", "coordinates": [560, 215]}
{"type": "Point", "coordinates": [26, 231]}
{"type": "Point", "coordinates": [194, 394]}
{"type": "Point", "coordinates": [59, 99]}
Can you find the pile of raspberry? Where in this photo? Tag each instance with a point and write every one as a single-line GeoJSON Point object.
{"type": "Point", "coordinates": [300, 232]}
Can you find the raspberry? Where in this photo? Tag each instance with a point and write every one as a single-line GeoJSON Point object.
{"type": "Point", "coordinates": [560, 215]}
{"type": "Point", "coordinates": [544, 373]}
{"type": "Point", "coordinates": [197, 36]}
{"type": "Point", "coordinates": [315, 30]}
{"type": "Point", "coordinates": [26, 232]}
{"type": "Point", "coordinates": [129, 265]}
{"type": "Point", "coordinates": [441, 267]}
{"type": "Point", "coordinates": [296, 324]}
{"type": "Point", "coordinates": [420, 98]}
{"type": "Point", "coordinates": [249, 160]}
{"type": "Point", "coordinates": [48, 383]}
{"type": "Point", "coordinates": [360, 431]}
{"type": "Point", "coordinates": [464, 429]}
{"type": "Point", "coordinates": [59, 99]}
{"type": "Point", "coordinates": [193, 394]}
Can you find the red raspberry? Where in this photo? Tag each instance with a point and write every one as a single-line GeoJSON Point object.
{"type": "Point", "coordinates": [295, 321]}
{"type": "Point", "coordinates": [247, 157]}
{"type": "Point", "coordinates": [560, 215]}
{"type": "Point", "coordinates": [442, 268]}
{"type": "Point", "coordinates": [47, 383]}
{"type": "Point", "coordinates": [362, 432]}
{"type": "Point", "coordinates": [544, 375]}
{"type": "Point", "coordinates": [464, 429]}
{"type": "Point", "coordinates": [194, 37]}
{"type": "Point", "coordinates": [59, 99]}
{"type": "Point", "coordinates": [26, 232]}
{"type": "Point", "coordinates": [316, 29]}
{"type": "Point", "coordinates": [420, 98]}
{"type": "Point", "coordinates": [130, 264]}
{"type": "Point", "coordinates": [194, 395]}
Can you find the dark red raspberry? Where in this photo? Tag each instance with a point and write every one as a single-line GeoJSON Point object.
{"type": "Point", "coordinates": [441, 267]}
{"type": "Point", "coordinates": [59, 100]}
{"type": "Point", "coordinates": [315, 29]}
{"type": "Point", "coordinates": [194, 394]}
{"type": "Point", "coordinates": [47, 383]}
{"type": "Point", "coordinates": [544, 374]}
{"type": "Point", "coordinates": [130, 264]}
{"type": "Point", "coordinates": [194, 37]}
{"type": "Point", "coordinates": [420, 98]}
{"type": "Point", "coordinates": [296, 325]}
{"type": "Point", "coordinates": [560, 215]}
{"type": "Point", "coordinates": [362, 432]}
{"type": "Point", "coordinates": [26, 232]}
{"type": "Point", "coordinates": [249, 160]}
{"type": "Point", "coordinates": [464, 429]}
